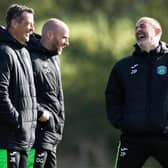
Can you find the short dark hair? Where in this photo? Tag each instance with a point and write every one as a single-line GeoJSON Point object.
{"type": "Point", "coordinates": [15, 11]}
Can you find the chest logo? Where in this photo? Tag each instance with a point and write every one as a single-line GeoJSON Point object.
{"type": "Point", "coordinates": [46, 68]}
{"type": "Point", "coordinates": [134, 69]}
{"type": "Point", "coordinates": [161, 70]}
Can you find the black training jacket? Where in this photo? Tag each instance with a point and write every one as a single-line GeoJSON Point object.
{"type": "Point", "coordinates": [18, 105]}
{"type": "Point", "coordinates": [137, 92]}
{"type": "Point", "coordinates": [49, 94]}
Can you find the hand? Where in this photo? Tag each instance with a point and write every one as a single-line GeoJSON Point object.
{"type": "Point", "coordinates": [165, 131]}
{"type": "Point", "coordinates": [45, 116]}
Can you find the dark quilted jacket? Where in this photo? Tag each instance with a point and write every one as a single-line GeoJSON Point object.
{"type": "Point", "coordinates": [18, 106]}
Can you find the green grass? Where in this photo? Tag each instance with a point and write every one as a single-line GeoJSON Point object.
{"type": "Point", "coordinates": [3, 159]}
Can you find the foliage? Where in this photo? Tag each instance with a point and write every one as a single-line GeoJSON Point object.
{"type": "Point", "coordinates": [101, 32]}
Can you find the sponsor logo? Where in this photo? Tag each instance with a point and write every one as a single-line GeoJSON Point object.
{"type": "Point", "coordinates": [40, 155]}
{"type": "Point", "coordinates": [123, 152]}
{"type": "Point", "coordinates": [12, 153]}
{"type": "Point", "coordinates": [39, 160]}
{"type": "Point", "coordinates": [12, 156]}
{"type": "Point", "coordinates": [12, 160]}
{"type": "Point", "coordinates": [134, 69]}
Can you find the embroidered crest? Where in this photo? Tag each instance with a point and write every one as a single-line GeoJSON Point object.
{"type": "Point", "coordinates": [161, 70]}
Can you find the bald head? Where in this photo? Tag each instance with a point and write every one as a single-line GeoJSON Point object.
{"type": "Point", "coordinates": [150, 20]}
{"type": "Point", "coordinates": [155, 24]}
{"type": "Point", "coordinates": [55, 35]}
{"type": "Point", "coordinates": [53, 24]}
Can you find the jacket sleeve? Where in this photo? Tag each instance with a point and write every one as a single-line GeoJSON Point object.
{"type": "Point", "coordinates": [61, 114]}
{"type": "Point", "coordinates": [114, 97]}
{"type": "Point", "coordinates": [61, 101]}
{"type": "Point", "coordinates": [8, 113]}
{"type": "Point", "coordinates": [61, 94]}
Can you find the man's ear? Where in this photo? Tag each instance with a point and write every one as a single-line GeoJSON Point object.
{"type": "Point", "coordinates": [157, 31]}
{"type": "Point", "coordinates": [14, 23]}
{"type": "Point", "coordinates": [49, 34]}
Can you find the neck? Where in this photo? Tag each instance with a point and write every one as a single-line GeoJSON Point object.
{"type": "Point", "coordinates": [148, 46]}
{"type": "Point", "coordinates": [13, 33]}
{"type": "Point", "coordinates": [45, 44]}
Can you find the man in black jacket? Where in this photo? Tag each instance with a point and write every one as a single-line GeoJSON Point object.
{"type": "Point", "coordinates": [137, 98]}
{"type": "Point", "coordinates": [45, 51]}
{"type": "Point", "coordinates": [18, 107]}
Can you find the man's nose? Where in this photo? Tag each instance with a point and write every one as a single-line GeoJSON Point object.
{"type": "Point", "coordinates": [67, 42]}
{"type": "Point", "coordinates": [32, 28]}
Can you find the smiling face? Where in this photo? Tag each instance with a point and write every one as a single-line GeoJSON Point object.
{"type": "Point", "coordinates": [61, 39]}
{"type": "Point", "coordinates": [55, 35]}
{"type": "Point", "coordinates": [146, 35]}
{"type": "Point", "coordinates": [144, 31]}
{"type": "Point", "coordinates": [24, 28]}
{"type": "Point", "coordinates": [21, 29]}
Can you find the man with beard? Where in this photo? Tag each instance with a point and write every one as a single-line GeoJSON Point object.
{"type": "Point", "coordinates": [137, 98]}
{"type": "Point", "coordinates": [45, 51]}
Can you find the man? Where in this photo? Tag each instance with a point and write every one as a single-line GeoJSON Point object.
{"type": "Point", "coordinates": [45, 52]}
{"type": "Point", "coordinates": [137, 98]}
{"type": "Point", "coordinates": [17, 91]}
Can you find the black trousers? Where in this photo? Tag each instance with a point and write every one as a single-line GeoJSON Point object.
{"type": "Point", "coordinates": [17, 159]}
{"type": "Point", "coordinates": [134, 150]}
{"type": "Point", "coordinates": [45, 159]}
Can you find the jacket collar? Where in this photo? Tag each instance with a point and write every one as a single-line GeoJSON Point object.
{"type": "Point", "coordinates": [34, 45]}
{"type": "Point", "coordinates": [47, 52]}
{"type": "Point", "coordinates": [158, 51]}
